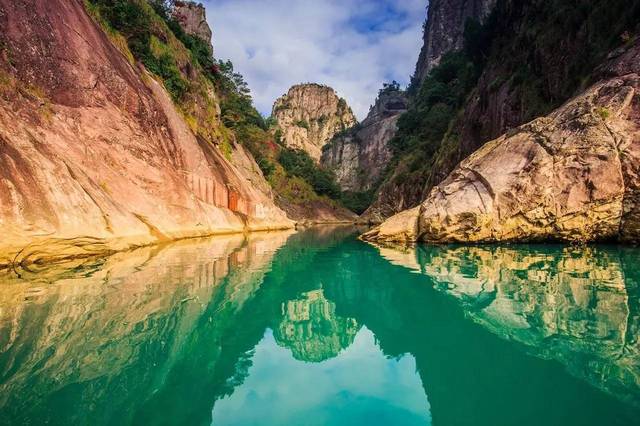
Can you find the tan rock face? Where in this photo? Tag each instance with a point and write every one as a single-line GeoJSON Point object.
{"type": "Point", "coordinates": [400, 228]}
{"type": "Point", "coordinates": [359, 158]}
{"type": "Point", "coordinates": [572, 175]}
{"type": "Point", "coordinates": [309, 115]}
{"type": "Point", "coordinates": [94, 156]}
{"type": "Point", "coordinates": [193, 19]}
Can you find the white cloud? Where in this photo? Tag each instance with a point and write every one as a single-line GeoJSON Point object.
{"type": "Point", "coordinates": [351, 45]}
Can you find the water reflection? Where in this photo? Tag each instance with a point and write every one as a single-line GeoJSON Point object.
{"type": "Point", "coordinates": [327, 330]}
{"type": "Point", "coordinates": [311, 328]}
{"type": "Point", "coordinates": [577, 305]}
{"type": "Point", "coordinates": [94, 342]}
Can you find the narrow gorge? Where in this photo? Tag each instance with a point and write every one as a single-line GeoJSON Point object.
{"type": "Point", "coordinates": [319, 213]}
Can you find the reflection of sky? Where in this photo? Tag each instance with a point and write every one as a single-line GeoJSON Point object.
{"type": "Point", "coordinates": [359, 386]}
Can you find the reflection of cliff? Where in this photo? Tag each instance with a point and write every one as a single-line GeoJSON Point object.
{"type": "Point", "coordinates": [579, 306]}
{"type": "Point", "coordinates": [106, 336]}
{"type": "Point", "coordinates": [312, 330]}
{"type": "Point", "coordinates": [159, 335]}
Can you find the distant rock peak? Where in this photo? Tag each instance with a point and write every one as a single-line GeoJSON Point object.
{"type": "Point", "coordinates": [359, 157]}
{"type": "Point", "coordinates": [310, 115]}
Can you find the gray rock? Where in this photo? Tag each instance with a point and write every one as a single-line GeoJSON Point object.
{"type": "Point", "coordinates": [193, 19]}
{"type": "Point", "coordinates": [359, 157]}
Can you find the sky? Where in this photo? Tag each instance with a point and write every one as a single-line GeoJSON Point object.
{"type": "Point", "coordinates": [351, 45]}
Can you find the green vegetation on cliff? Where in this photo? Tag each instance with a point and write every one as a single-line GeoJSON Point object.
{"type": "Point", "coordinates": [146, 31]}
{"type": "Point", "coordinates": [436, 103]}
{"type": "Point", "coordinates": [143, 31]}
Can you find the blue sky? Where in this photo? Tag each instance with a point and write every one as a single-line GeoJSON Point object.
{"type": "Point", "coordinates": [351, 45]}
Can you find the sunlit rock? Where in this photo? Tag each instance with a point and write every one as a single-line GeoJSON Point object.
{"type": "Point", "coordinates": [359, 157]}
{"type": "Point", "coordinates": [309, 115]}
{"type": "Point", "coordinates": [571, 175]}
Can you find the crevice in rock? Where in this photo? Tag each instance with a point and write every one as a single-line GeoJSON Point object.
{"type": "Point", "coordinates": [105, 216]}
{"type": "Point", "coordinates": [153, 230]}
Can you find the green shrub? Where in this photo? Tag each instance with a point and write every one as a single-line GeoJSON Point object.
{"type": "Point", "coordinates": [387, 88]}
{"type": "Point", "coordinates": [135, 22]}
{"type": "Point", "coordinates": [433, 108]}
{"type": "Point", "coordinates": [357, 202]}
{"type": "Point", "coordinates": [298, 163]}
{"type": "Point", "coordinates": [302, 123]}
{"type": "Point", "coordinates": [282, 107]}
{"type": "Point", "coordinates": [603, 112]}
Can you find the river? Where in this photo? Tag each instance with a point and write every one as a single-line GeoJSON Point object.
{"type": "Point", "coordinates": [319, 328]}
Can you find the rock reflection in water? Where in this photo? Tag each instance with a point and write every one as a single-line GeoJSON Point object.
{"type": "Point", "coordinates": [106, 334]}
{"type": "Point", "coordinates": [202, 330]}
{"type": "Point", "coordinates": [311, 329]}
{"type": "Point", "coordinates": [579, 306]}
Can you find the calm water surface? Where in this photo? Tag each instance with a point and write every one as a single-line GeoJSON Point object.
{"type": "Point", "coordinates": [318, 328]}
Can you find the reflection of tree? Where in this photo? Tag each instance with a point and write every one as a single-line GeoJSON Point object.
{"type": "Point", "coordinates": [311, 329]}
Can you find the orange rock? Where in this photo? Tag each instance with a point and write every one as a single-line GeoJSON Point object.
{"type": "Point", "coordinates": [94, 156]}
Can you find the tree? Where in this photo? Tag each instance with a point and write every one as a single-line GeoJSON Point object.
{"type": "Point", "coordinates": [394, 86]}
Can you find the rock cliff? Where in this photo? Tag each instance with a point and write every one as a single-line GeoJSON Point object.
{"type": "Point", "coordinates": [309, 115]}
{"type": "Point", "coordinates": [527, 64]}
{"type": "Point", "coordinates": [193, 19]}
{"type": "Point", "coordinates": [444, 30]}
{"type": "Point", "coordinates": [359, 157]}
{"type": "Point", "coordinates": [95, 156]}
{"type": "Point", "coordinates": [572, 175]}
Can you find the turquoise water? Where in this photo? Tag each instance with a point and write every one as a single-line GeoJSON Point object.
{"type": "Point", "coordinates": [318, 328]}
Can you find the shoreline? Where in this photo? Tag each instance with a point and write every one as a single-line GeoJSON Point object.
{"type": "Point", "coordinates": [43, 251]}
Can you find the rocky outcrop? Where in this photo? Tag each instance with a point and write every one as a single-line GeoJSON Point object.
{"type": "Point", "coordinates": [95, 157]}
{"type": "Point", "coordinates": [444, 30]}
{"type": "Point", "coordinates": [359, 157]}
{"type": "Point", "coordinates": [309, 115]}
{"type": "Point", "coordinates": [319, 210]}
{"type": "Point", "coordinates": [193, 19]}
{"type": "Point", "coordinates": [533, 63]}
{"type": "Point", "coordinates": [572, 175]}
{"type": "Point", "coordinates": [443, 33]}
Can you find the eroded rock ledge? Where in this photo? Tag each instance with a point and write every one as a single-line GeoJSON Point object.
{"type": "Point", "coordinates": [573, 175]}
